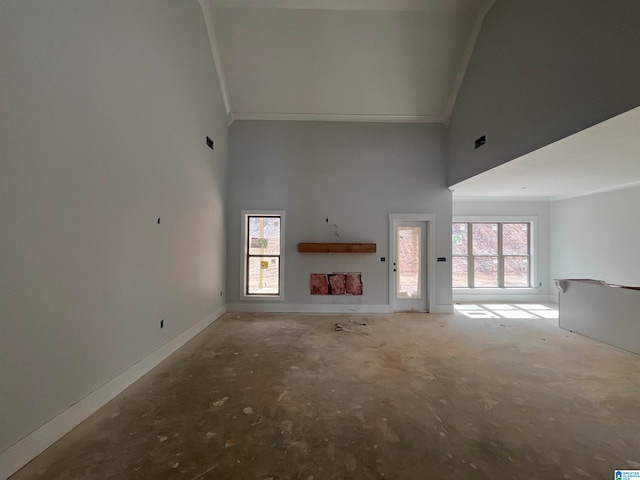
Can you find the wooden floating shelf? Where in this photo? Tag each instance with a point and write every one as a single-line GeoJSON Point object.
{"type": "Point", "coordinates": [337, 247]}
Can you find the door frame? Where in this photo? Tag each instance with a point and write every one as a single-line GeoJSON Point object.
{"type": "Point", "coordinates": [430, 220]}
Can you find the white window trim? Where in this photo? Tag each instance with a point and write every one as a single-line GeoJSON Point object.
{"type": "Point", "coordinates": [532, 220]}
{"type": "Point", "coordinates": [243, 251]}
{"type": "Point", "coordinates": [430, 219]}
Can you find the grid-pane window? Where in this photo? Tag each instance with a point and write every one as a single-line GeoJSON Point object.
{"type": "Point", "coordinates": [516, 271]}
{"type": "Point", "coordinates": [460, 268]}
{"type": "Point", "coordinates": [485, 271]}
{"type": "Point", "coordinates": [263, 234]}
{"type": "Point", "coordinates": [484, 239]}
{"type": "Point", "coordinates": [460, 239]}
{"type": "Point", "coordinates": [491, 254]}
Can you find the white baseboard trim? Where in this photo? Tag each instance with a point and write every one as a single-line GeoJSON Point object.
{"type": "Point", "coordinates": [502, 298]}
{"type": "Point", "coordinates": [273, 307]}
{"type": "Point", "coordinates": [446, 308]}
{"type": "Point", "coordinates": [22, 452]}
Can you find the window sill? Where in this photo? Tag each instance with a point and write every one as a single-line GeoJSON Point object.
{"type": "Point", "coordinates": [262, 298]}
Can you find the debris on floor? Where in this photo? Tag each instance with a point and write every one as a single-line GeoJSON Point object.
{"type": "Point", "coordinates": [221, 402]}
{"type": "Point", "coordinates": [341, 328]}
{"type": "Point", "coordinates": [358, 323]}
{"type": "Point", "coordinates": [402, 397]}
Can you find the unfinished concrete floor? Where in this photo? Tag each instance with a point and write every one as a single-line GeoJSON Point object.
{"type": "Point", "coordinates": [408, 396]}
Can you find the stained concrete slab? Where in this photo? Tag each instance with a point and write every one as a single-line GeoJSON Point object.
{"type": "Point", "coordinates": [406, 396]}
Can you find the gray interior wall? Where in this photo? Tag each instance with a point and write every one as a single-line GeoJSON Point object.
{"type": "Point", "coordinates": [355, 174]}
{"type": "Point", "coordinates": [596, 236]}
{"type": "Point", "coordinates": [104, 109]}
{"type": "Point", "coordinates": [601, 312]}
{"type": "Point", "coordinates": [542, 70]}
{"type": "Point", "coordinates": [539, 210]}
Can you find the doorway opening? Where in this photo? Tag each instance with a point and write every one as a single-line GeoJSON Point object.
{"type": "Point", "coordinates": [411, 271]}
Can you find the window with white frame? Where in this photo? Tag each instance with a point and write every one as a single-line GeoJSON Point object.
{"type": "Point", "coordinates": [263, 263]}
{"type": "Point", "coordinates": [491, 255]}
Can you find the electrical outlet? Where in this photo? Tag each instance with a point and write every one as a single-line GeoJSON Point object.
{"type": "Point", "coordinates": [220, 292]}
{"type": "Point", "coordinates": [540, 284]}
{"type": "Point", "coordinates": [162, 323]}
{"type": "Point", "coordinates": [209, 143]}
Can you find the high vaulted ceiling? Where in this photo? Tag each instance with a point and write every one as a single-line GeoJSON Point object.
{"type": "Point", "coordinates": [365, 60]}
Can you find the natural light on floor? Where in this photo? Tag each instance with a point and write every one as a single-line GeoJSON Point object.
{"type": "Point", "coordinates": [507, 310]}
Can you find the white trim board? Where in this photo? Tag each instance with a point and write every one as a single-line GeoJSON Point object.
{"type": "Point", "coordinates": [22, 452]}
{"type": "Point", "coordinates": [272, 307]}
{"type": "Point", "coordinates": [217, 57]}
{"type": "Point", "coordinates": [430, 220]}
{"type": "Point", "coordinates": [444, 308]}
{"type": "Point", "coordinates": [336, 117]}
{"type": "Point", "coordinates": [255, 307]}
{"type": "Point", "coordinates": [555, 198]}
{"type": "Point", "coordinates": [533, 252]}
{"type": "Point", "coordinates": [243, 267]}
{"type": "Point", "coordinates": [466, 58]}
{"type": "Point", "coordinates": [497, 199]}
{"type": "Point", "coordinates": [494, 218]}
{"type": "Point", "coordinates": [347, 5]}
{"type": "Point", "coordinates": [594, 192]}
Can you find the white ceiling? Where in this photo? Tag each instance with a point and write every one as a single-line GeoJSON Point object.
{"type": "Point", "coordinates": [600, 158]}
{"type": "Point", "coordinates": [365, 60]}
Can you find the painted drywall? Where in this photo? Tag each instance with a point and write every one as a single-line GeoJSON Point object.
{"type": "Point", "coordinates": [595, 237]}
{"type": "Point", "coordinates": [542, 70]}
{"type": "Point", "coordinates": [601, 312]}
{"type": "Point", "coordinates": [510, 210]}
{"type": "Point", "coordinates": [355, 174]}
{"type": "Point", "coordinates": [104, 110]}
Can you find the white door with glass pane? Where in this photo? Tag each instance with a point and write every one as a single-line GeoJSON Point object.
{"type": "Point", "coordinates": [409, 266]}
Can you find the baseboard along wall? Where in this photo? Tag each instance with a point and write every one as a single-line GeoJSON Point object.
{"type": "Point", "coordinates": [22, 452]}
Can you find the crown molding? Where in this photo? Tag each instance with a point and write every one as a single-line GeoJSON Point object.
{"type": "Point", "coordinates": [217, 57]}
{"type": "Point", "coordinates": [331, 117]}
{"type": "Point", "coordinates": [498, 199]}
{"type": "Point", "coordinates": [595, 192]}
{"type": "Point", "coordinates": [466, 58]}
{"type": "Point", "coordinates": [345, 5]}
